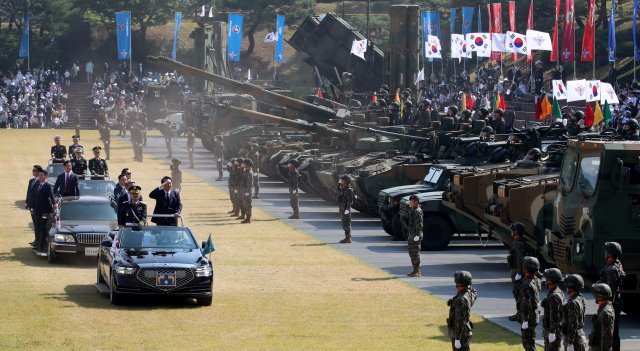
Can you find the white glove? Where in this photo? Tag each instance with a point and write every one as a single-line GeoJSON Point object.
{"type": "Point", "coordinates": [525, 325]}
{"type": "Point", "coordinates": [235, 191]}
{"type": "Point", "coordinates": [552, 337]}
{"type": "Point", "coordinates": [457, 344]}
{"type": "Point", "coordinates": [246, 194]}
{"type": "Point", "coordinates": [219, 160]}
{"type": "Point", "coordinates": [346, 212]}
{"type": "Point", "coordinates": [518, 277]}
{"type": "Point", "coordinates": [416, 238]}
{"type": "Point", "coordinates": [570, 347]}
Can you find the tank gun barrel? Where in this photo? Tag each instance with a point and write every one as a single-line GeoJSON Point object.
{"type": "Point", "coordinates": [388, 133]}
{"type": "Point", "coordinates": [316, 112]}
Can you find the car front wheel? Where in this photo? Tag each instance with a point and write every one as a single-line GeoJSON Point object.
{"type": "Point", "coordinates": [114, 297]}
{"type": "Point", "coordinates": [51, 256]}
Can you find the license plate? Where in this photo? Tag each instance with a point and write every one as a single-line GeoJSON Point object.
{"type": "Point", "coordinates": [91, 251]}
{"type": "Point", "coordinates": [166, 279]}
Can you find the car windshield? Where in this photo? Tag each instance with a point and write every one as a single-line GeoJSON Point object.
{"type": "Point", "coordinates": [87, 211]}
{"type": "Point", "coordinates": [54, 170]}
{"type": "Point", "coordinates": [169, 238]}
{"type": "Point", "coordinates": [568, 172]}
{"type": "Point", "coordinates": [96, 187]}
{"type": "Point", "coordinates": [433, 176]}
{"type": "Point", "coordinates": [588, 176]}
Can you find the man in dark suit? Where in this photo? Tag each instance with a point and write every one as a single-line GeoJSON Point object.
{"type": "Point", "coordinates": [43, 205]}
{"type": "Point", "coordinates": [30, 201]}
{"type": "Point", "coordinates": [67, 182]}
{"type": "Point", "coordinates": [121, 187]}
{"type": "Point", "coordinates": [167, 203]}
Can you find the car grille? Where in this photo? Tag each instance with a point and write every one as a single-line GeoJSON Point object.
{"type": "Point", "coordinates": [148, 277]}
{"type": "Point", "coordinates": [90, 238]}
{"type": "Point", "coordinates": [567, 225]}
{"type": "Point", "coordinates": [381, 200]}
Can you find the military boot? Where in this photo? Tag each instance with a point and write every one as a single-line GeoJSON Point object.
{"type": "Point", "coordinates": [346, 240]}
{"type": "Point", "coordinates": [514, 318]}
{"type": "Point", "coordinates": [242, 216]}
{"type": "Point", "coordinates": [235, 214]}
{"type": "Point", "coordinates": [295, 215]}
{"type": "Point", "coordinates": [248, 220]}
{"type": "Point", "coordinates": [416, 271]}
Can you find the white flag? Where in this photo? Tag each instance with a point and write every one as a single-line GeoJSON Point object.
{"type": "Point", "coordinates": [480, 43]}
{"type": "Point", "coordinates": [270, 37]}
{"type": "Point", "coordinates": [516, 42]}
{"type": "Point", "coordinates": [420, 76]}
{"type": "Point", "coordinates": [577, 90]}
{"type": "Point", "coordinates": [359, 47]}
{"type": "Point", "coordinates": [202, 12]}
{"type": "Point", "coordinates": [539, 40]}
{"type": "Point", "coordinates": [498, 42]}
{"type": "Point", "coordinates": [608, 94]}
{"type": "Point", "coordinates": [433, 47]}
{"type": "Point", "coordinates": [593, 90]}
{"type": "Point", "coordinates": [559, 90]}
{"type": "Point", "coordinates": [211, 12]}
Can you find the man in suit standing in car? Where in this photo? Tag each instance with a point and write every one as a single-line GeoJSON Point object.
{"type": "Point", "coordinates": [43, 205]}
{"type": "Point", "coordinates": [167, 203]}
{"type": "Point", "coordinates": [67, 182]}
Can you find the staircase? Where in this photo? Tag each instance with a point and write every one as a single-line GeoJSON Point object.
{"type": "Point", "coordinates": [78, 98]}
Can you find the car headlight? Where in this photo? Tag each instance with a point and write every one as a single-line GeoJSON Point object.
{"type": "Point", "coordinates": [204, 272]}
{"type": "Point", "coordinates": [125, 270]}
{"type": "Point", "coordinates": [64, 238]}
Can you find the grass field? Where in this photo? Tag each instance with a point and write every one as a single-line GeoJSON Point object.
{"type": "Point", "coordinates": [276, 288]}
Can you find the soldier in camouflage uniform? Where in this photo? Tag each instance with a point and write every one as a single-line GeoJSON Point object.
{"type": "Point", "coordinates": [528, 298]}
{"type": "Point", "coordinates": [233, 191]}
{"type": "Point", "coordinates": [612, 275]}
{"type": "Point", "coordinates": [176, 174]}
{"type": "Point", "coordinates": [218, 153]}
{"type": "Point", "coordinates": [167, 132]}
{"type": "Point", "coordinates": [515, 259]}
{"type": "Point", "coordinates": [78, 162]}
{"type": "Point", "coordinates": [105, 135]}
{"type": "Point", "coordinates": [244, 189]}
{"type": "Point", "coordinates": [573, 315]}
{"type": "Point", "coordinates": [412, 225]}
{"type": "Point", "coordinates": [256, 172]}
{"type": "Point", "coordinates": [458, 323]}
{"type": "Point", "coordinates": [191, 141]}
{"type": "Point", "coordinates": [345, 201]}
{"type": "Point", "coordinates": [552, 306]}
{"type": "Point", "coordinates": [294, 176]}
{"type": "Point", "coordinates": [97, 165]}
{"type": "Point", "coordinates": [137, 140]}
{"type": "Point", "coordinates": [601, 337]}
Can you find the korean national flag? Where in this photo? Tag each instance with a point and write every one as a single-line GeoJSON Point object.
{"type": "Point", "coordinates": [559, 90]}
{"type": "Point", "coordinates": [594, 93]}
{"type": "Point", "coordinates": [480, 43]}
{"type": "Point", "coordinates": [432, 47]}
{"type": "Point", "coordinates": [516, 42]}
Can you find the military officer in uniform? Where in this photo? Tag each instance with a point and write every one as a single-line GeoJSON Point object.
{"type": "Point", "coordinates": [136, 141]}
{"type": "Point", "coordinates": [176, 174]}
{"type": "Point", "coordinates": [515, 260]}
{"type": "Point", "coordinates": [97, 165]}
{"type": "Point", "coordinates": [412, 225]}
{"type": "Point", "coordinates": [133, 211]}
{"type": "Point", "coordinates": [256, 171]}
{"type": "Point", "coordinates": [497, 123]}
{"type": "Point", "coordinates": [345, 201]}
{"type": "Point", "coordinates": [78, 162]}
{"type": "Point", "coordinates": [218, 152]}
{"type": "Point", "coordinates": [167, 132]}
{"type": "Point", "coordinates": [75, 145]}
{"type": "Point", "coordinates": [459, 326]}
{"type": "Point", "coordinates": [632, 130]}
{"type": "Point", "coordinates": [58, 150]}
{"type": "Point", "coordinates": [612, 275]}
{"type": "Point", "coordinates": [552, 306]}
{"type": "Point", "coordinates": [528, 299]}
{"type": "Point", "coordinates": [191, 140]}
{"type": "Point", "coordinates": [292, 180]}
{"type": "Point", "coordinates": [234, 171]}
{"type": "Point", "coordinates": [601, 337]}
{"type": "Point", "coordinates": [105, 135]}
{"type": "Point", "coordinates": [573, 314]}
{"type": "Point", "coordinates": [244, 190]}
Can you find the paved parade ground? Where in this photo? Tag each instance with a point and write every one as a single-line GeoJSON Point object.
{"type": "Point", "coordinates": [279, 284]}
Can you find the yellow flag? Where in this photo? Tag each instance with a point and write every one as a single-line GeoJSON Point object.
{"type": "Point", "coordinates": [597, 115]}
{"type": "Point", "coordinates": [545, 107]}
{"type": "Point", "coordinates": [464, 102]}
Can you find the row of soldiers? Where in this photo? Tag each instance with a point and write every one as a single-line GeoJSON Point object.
{"type": "Point", "coordinates": [96, 166]}
{"type": "Point", "coordinates": [241, 176]}
{"type": "Point", "coordinates": [565, 319]}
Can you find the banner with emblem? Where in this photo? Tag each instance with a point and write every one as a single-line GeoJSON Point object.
{"type": "Point", "coordinates": [517, 43]}
{"type": "Point", "coordinates": [430, 26]}
{"type": "Point", "coordinates": [279, 38]}
{"type": "Point", "coordinates": [634, 20]}
{"type": "Point", "coordinates": [176, 34]}
{"type": "Point", "coordinates": [432, 47]}
{"type": "Point", "coordinates": [537, 40]}
{"type": "Point", "coordinates": [608, 94]}
{"type": "Point", "coordinates": [234, 42]}
{"type": "Point", "coordinates": [588, 43]}
{"type": "Point", "coordinates": [467, 19]}
{"type": "Point", "coordinates": [593, 90]}
{"type": "Point", "coordinates": [559, 90]}
{"type": "Point", "coordinates": [480, 43]}
{"type": "Point", "coordinates": [123, 34]}
{"type": "Point", "coordinates": [568, 52]}
{"type": "Point", "coordinates": [577, 90]}
{"type": "Point", "coordinates": [612, 32]}
{"type": "Point", "coordinates": [24, 42]}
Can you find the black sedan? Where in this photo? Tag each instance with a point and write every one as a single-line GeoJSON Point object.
{"type": "Point", "coordinates": [154, 260]}
{"type": "Point", "coordinates": [80, 225]}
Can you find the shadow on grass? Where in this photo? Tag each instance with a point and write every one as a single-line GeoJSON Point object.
{"type": "Point", "coordinates": [374, 279]}
{"type": "Point", "coordinates": [484, 332]}
{"type": "Point", "coordinates": [311, 245]}
{"type": "Point", "coordinates": [20, 204]}
{"type": "Point", "coordinates": [87, 296]}
{"type": "Point", "coordinates": [27, 257]}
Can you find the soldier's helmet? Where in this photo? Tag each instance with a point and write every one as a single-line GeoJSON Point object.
{"type": "Point", "coordinates": [175, 161]}
{"type": "Point", "coordinates": [574, 281]}
{"type": "Point", "coordinates": [382, 102]}
{"type": "Point", "coordinates": [466, 113]}
{"type": "Point", "coordinates": [578, 115]}
{"type": "Point", "coordinates": [426, 102]}
{"type": "Point", "coordinates": [453, 110]}
{"type": "Point", "coordinates": [462, 278]}
{"type": "Point", "coordinates": [247, 161]}
{"type": "Point", "coordinates": [613, 248]}
{"type": "Point", "coordinates": [517, 227]}
{"type": "Point", "coordinates": [484, 110]}
{"type": "Point", "coordinates": [531, 264]}
{"type": "Point", "coordinates": [632, 123]}
{"type": "Point", "coordinates": [601, 291]}
{"type": "Point", "coordinates": [78, 150]}
{"type": "Point", "coordinates": [394, 106]}
{"type": "Point", "coordinates": [414, 197]}
{"type": "Point", "coordinates": [534, 154]}
{"type": "Point", "coordinates": [345, 177]}
{"type": "Point", "coordinates": [293, 161]}
{"type": "Point", "coordinates": [408, 103]}
{"type": "Point", "coordinates": [233, 160]}
{"type": "Point", "coordinates": [499, 111]}
{"type": "Point", "coordinates": [553, 274]}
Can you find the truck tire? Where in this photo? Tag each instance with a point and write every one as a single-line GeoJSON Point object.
{"type": "Point", "coordinates": [436, 231]}
{"type": "Point", "coordinates": [387, 227]}
{"type": "Point", "coordinates": [396, 228]}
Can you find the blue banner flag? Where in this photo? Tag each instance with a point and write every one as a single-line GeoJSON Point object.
{"type": "Point", "coordinates": [452, 20]}
{"type": "Point", "coordinates": [467, 20]}
{"type": "Point", "coordinates": [123, 32]}
{"type": "Point", "coordinates": [279, 38]}
{"type": "Point", "coordinates": [24, 42]}
{"type": "Point", "coordinates": [176, 33]}
{"type": "Point", "coordinates": [234, 44]}
{"type": "Point", "coordinates": [430, 26]}
{"type": "Point", "coordinates": [635, 41]}
{"type": "Point", "coordinates": [612, 33]}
